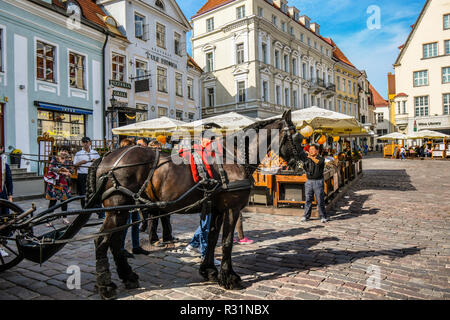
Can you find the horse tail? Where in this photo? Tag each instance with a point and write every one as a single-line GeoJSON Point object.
{"type": "Point", "coordinates": [92, 198]}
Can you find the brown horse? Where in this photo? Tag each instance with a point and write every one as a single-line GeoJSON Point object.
{"type": "Point", "coordinates": [168, 182]}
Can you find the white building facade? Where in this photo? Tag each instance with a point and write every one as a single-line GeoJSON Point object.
{"type": "Point", "coordinates": [261, 57]}
{"type": "Point", "coordinates": [152, 75]}
{"type": "Point", "coordinates": [422, 72]}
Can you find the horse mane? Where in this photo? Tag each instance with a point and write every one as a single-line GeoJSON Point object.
{"type": "Point", "coordinates": [260, 124]}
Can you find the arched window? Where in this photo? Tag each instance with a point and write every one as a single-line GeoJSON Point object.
{"type": "Point", "coordinates": [159, 4]}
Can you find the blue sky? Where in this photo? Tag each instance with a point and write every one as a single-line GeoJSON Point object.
{"type": "Point", "coordinates": [373, 50]}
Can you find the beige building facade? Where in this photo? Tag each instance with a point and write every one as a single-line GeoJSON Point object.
{"type": "Point", "coordinates": [261, 57]}
{"type": "Point", "coordinates": [422, 72]}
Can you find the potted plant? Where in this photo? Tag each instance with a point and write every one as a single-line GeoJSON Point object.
{"type": "Point", "coordinates": [15, 157]}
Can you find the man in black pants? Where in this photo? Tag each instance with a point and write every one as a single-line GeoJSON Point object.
{"type": "Point", "coordinates": [314, 166]}
{"type": "Point", "coordinates": [82, 161]}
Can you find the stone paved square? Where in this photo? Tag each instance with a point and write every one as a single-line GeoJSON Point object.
{"type": "Point", "coordinates": [394, 222]}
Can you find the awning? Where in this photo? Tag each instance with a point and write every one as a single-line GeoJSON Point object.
{"type": "Point", "coordinates": [64, 109]}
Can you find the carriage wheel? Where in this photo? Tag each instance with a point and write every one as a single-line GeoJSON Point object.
{"type": "Point", "coordinates": [10, 255]}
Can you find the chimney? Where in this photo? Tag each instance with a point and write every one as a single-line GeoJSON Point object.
{"type": "Point", "coordinates": [315, 27]}
{"type": "Point", "coordinates": [305, 20]}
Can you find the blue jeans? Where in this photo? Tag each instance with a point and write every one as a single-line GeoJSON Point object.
{"type": "Point", "coordinates": [403, 156]}
{"type": "Point", "coordinates": [134, 231]}
{"type": "Point", "coordinates": [315, 187]}
{"type": "Point", "coordinates": [200, 238]}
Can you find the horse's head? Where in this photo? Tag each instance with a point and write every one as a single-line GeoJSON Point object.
{"type": "Point", "coordinates": [290, 140]}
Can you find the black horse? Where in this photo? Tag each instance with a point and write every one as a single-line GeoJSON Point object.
{"type": "Point", "coordinates": [168, 182]}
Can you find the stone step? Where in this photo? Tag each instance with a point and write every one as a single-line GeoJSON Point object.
{"type": "Point", "coordinates": [25, 176]}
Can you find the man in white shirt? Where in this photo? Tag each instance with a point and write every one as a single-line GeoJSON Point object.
{"type": "Point", "coordinates": [403, 153]}
{"type": "Point", "coordinates": [82, 161]}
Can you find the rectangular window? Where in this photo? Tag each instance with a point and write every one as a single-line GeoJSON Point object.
{"type": "Point", "coordinates": [294, 99]}
{"type": "Point", "coordinates": [1, 50]}
{"type": "Point", "coordinates": [304, 70]}
{"type": "Point", "coordinates": [446, 99]}
{"type": "Point", "coordinates": [139, 22]}
{"type": "Point", "coordinates": [162, 112]}
{"type": "Point", "coordinates": [210, 97]}
{"type": "Point", "coordinates": [264, 53]}
{"type": "Point", "coordinates": [77, 71]}
{"type": "Point", "coordinates": [241, 91]}
{"type": "Point", "coordinates": [278, 94]}
{"type": "Point", "coordinates": [209, 62]}
{"type": "Point", "coordinates": [421, 106]}
{"type": "Point", "coordinates": [275, 21]}
{"type": "Point", "coordinates": [45, 62]}
{"type": "Point", "coordinates": [240, 12]}
{"type": "Point", "coordinates": [191, 116]}
{"type": "Point", "coordinates": [177, 43]}
{"type": "Point", "coordinates": [179, 84]}
{"type": "Point", "coordinates": [345, 107]}
{"type": "Point", "coordinates": [339, 106]}
{"type": "Point", "coordinates": [141, 116]}
{"type": "Point", "coordinates": [305, 100]}
{"type": "Point", "coordinates": [349, 86]}
{"type": "Point", "coordinates": [313, 103]}
{"type": "Point", "coordinates": [277, 59]}
{"type": "Point", "coordinates": [265, 91]}
{"type": "Point", "coordinates": [291, 30]}
{"type": "Point", "coordinates": [260, 12]}
{"type": "Point", "coordinates": [286, 97]}
{"type": "Point", "coordinates": [430, 50]}
{"type": "Point", "coordinates": [240, 53]}
{"type": "Point", "coordinates": [309, 42]}
{"type": "Point", "coordinates": [162, 80]}
{"type": "Point", "coordinates": [421, 78]}
{"type": "Point", "coordinates": [286, 63]}
{"type": "Point", "coordinates": [160, 35]}
{"type": "Point", "coordinates": [354, 89]}
{"type": "Point", "coordinates": [380, 117]}
{"type": "Point", "coordinates": [141, 69]}
{"type": "Point", "coordinates": [190, 88]}
{"type": "Point", "coordinates": [179, 115]}
{"type": "Point", "coordinates": [302, 37]}
{"type": "Point", "coordinates": [447, 47]}
{"type": "Point", "coordinates": [294, 67]}
{"type": "Point", "coordinates": [338, 81]}
{"type": "Point", "coordinates": [399, 108]}
{"type": "Point", "coordinates": [118, 67]}
{"type": "Point", "coordinates": [344, 87]}
{"type": "Point", "coordinates": [446, 75]}
{"type": "Point", "coordinates": [210, 24]}
{"type": "Point", "coordinates": [447, 21]}
{"type": "Point", "coordinates": [283, 26]}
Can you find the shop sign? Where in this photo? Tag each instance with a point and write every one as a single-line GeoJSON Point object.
{"type": "Point", "coordinates": [120, 94]}
{"type": "Point", "coordinates": [163, 61]}
{"type": "Point", "coordinates": [120, 84]}
{"type": "Point", "coordinates": [142, 85]}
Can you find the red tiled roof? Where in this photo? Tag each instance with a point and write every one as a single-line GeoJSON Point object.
{"type": "Point", "coordinates": [338, 54]}
{"type": "Point", "coordinates": [214, 4]}
{"type": "Point", "coordinates": [402, 94]}
{"type": "Point", "coordinates": [194, 64]}
{"type": "Point", "coordinates": [378, 100]}
{"type": "Point", "coordinates": [89, 9]}
{"type": "Point", "coordinates": [391, 83]}
{"type": "Point", "coordinates": [211, 5]}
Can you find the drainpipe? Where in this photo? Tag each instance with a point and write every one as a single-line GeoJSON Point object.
{"type": "Point", "coordinates": [104, 88]}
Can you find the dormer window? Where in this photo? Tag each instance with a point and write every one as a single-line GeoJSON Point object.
{"type": "Point", "coordinates": [111, 21]}
{"type": "Point", "coordinates": [159, 4]}
{"type": "Point", "coordinates": [73, 9]}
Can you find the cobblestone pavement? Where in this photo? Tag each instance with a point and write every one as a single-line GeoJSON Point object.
{"type": "Point", "coordinates": [394, 222]}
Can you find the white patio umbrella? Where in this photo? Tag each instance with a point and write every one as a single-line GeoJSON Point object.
{"type": "Point", "coordinates": [427, 134]}
{"type": "Point", "coordinates": [328, 120]}
{"type": "Point", "coordinates": [227, 122]}
{"type": "Point", "coordinates": [150, 128]}
{"type": "Point", "coordinates": [393, 136]}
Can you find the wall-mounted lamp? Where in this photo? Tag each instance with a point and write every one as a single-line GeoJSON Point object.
{"type": "Point", "coordinates": [21, 87]}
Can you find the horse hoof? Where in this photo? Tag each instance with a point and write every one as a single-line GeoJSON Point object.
{"type": "Point", "coordinates": [230, 281]}
{"type": "Point", "coordinates": [131, 284]}
{"type": "Point", "coordinates": [107, 292]}
{"type": "Point", "coordinates": [209, 274]}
